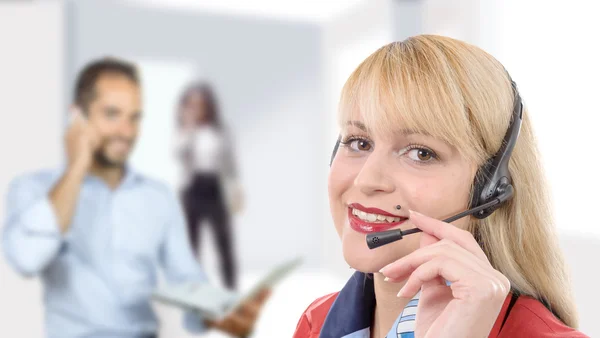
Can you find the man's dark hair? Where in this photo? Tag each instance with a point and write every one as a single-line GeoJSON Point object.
{"type": "Point", "coordinates": [85, 86]}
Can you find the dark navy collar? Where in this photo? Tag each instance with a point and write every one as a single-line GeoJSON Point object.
{"type": "Point", "coordinates": [353, 308]}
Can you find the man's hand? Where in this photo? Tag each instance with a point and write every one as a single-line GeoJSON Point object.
{"type": "Point", "coordinates": [81, 140]}
{"type": "Point", "coordinates": [241, 322]}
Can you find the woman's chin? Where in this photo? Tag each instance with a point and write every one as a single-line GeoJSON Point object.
{"type": "Point", "coordinates": [359, 257]}
{"type": "Point", "coordinates": [362, 265]}
{"type": "Point", "coordinates": [364, 259]}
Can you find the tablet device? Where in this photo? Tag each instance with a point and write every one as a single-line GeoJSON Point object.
{"type": "Point", "coordinates": [214, 302]}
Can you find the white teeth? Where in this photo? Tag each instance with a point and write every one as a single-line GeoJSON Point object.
{"type": "Point", "coordinates": [374, 217]}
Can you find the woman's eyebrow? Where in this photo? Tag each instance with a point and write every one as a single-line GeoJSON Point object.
{"type": "Point", "coordinates": [404, 131]}
{"type": "Point", "coordinates": [407, 132]}
{"type": "Point", "coordinates": [358, 125]}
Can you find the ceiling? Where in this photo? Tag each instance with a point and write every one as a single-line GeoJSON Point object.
{"type": "Point", "coordinates": [293, 10]}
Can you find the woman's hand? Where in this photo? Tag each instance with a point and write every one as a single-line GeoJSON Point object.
{"type": "Point", "coordinates": [468, 307]}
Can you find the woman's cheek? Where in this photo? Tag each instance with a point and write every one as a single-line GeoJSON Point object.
{"type": "Point", "coordinates": [433, 198]}
{"type": "Point", "coordinates": [442, 199]}
{"type": "Point", "coordinates": [339, 182]}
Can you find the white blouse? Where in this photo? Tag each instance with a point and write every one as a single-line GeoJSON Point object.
{"type": "Point", "coordinates": [206, 149]}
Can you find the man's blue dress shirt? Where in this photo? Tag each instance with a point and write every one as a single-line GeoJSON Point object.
{"type": "Point", "coordinates": [98, 276]}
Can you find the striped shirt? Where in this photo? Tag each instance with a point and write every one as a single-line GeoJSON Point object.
{"type": "Point", "coordinates": [404, 327]}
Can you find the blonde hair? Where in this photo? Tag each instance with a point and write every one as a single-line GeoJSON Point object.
{"type": "Point", "coordinates": [460, 94]}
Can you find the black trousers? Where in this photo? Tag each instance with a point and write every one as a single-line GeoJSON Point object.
{"type": "Point", "coordinates": [203, 200]}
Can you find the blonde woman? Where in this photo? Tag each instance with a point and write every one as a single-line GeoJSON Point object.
{"type": "Point", "coordinates": [419, 119]}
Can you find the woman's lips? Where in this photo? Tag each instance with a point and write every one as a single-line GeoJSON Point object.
{"type": "Point", "coordinates": [371, 210]}
{"type": "Point", "coordinates": [366, 227]}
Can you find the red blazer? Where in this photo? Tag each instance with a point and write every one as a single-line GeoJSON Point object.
{"type": "Point", "coordinates": [528, 319]}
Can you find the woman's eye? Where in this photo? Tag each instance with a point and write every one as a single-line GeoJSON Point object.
{"type": "Point", "coordinates": [421, 155]}
{"type": "Point", "coordinates": [360, 145]}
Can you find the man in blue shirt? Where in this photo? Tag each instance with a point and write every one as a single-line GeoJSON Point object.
{"type": "Point", "coordinates": [96, 231]}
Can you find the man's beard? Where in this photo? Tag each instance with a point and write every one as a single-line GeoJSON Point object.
{"type": "Point", "coordinates": [105, 162]}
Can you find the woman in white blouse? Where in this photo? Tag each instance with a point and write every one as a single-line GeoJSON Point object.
{"type": "Point", "coordinates": [205, 151]}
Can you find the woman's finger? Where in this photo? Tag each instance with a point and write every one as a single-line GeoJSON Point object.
{"type": "Point", "coordinates": [426, 240]}
{"type": "Point", "coordinates": [402, 268]}
{"type": "Point", "coordinates": [443, 230]}
{"type": "Point", "coordinates": [465, 283]}
{"type": "Point", "coordinates": [431, 271]}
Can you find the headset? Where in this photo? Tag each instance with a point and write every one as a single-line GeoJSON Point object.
{"type": "Point", "coordinates": [492, 186]}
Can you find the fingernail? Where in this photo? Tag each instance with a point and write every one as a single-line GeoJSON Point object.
{"type": "Point", "coordinates": [401, 293]}
{"type": "Point", "coordinates": [386, 279]}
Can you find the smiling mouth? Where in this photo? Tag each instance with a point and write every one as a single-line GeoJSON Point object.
{"type": "Point", "coordinates": [374, 218]}
{"type": "Point", "coordinates": [368, 220]}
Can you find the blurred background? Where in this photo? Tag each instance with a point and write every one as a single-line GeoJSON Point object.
{"type": "Point", "coordinates": [278, 67]}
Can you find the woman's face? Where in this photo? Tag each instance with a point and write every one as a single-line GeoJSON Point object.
{"type": "Point", "coordinates": [193, 109]}
{"type": "Point", "coordinates": [371, 174]}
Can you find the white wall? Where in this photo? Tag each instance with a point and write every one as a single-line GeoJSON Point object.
{"type": "Point", "coordinates": [555, 61]}
{"type": "Point", "coordinates": [31, 92]}
{"type": "Point", "coordinates": [268, 77]}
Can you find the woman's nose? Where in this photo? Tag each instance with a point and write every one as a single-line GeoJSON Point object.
{"type": "Point", "coordinates": [374, 176]}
